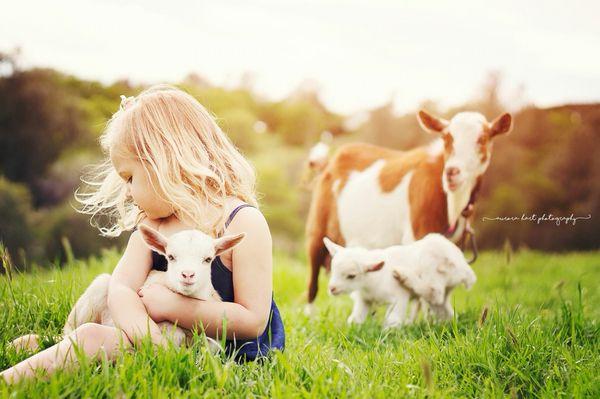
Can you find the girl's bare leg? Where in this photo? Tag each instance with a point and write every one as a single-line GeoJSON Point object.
{"type": "Point", "coordinates": [93, 339]}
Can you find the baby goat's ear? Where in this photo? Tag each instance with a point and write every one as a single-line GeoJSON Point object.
{"type": "Point", "coordinates": [153, 239]}
{"type": "Point", "coordinates": [331, 246]}
{"type": "Point", "coordinates": [373, 267]}
{"type": "Point", "coordinates": [226, 243]}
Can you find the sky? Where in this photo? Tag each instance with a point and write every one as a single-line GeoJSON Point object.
{"type": "Point", "coordinates": [359, 54]}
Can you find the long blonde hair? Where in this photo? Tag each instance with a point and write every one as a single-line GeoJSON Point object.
{"type": "Point", "coordinates": [179, 142]}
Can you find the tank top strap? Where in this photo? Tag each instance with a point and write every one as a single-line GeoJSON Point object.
{"type": "Point", "coordinates": [235, 211]}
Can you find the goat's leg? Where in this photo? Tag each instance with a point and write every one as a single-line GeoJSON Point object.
{"type": "Point", "coordinates": [415, 307]}
{"type": "Point", "coordinates": [316, 255]}
{"type": "Point", "coordinates": [360, 310]}
{"type": "Point", "coordinates": [90, 306]}
{"type": "Point", "coordinates": [448, 310]}
{"type": "Point", "coordinates": [176, 334]}
{"type": "Point", "coordinates": [396, 311]}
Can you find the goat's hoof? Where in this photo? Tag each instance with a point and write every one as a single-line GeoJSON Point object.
{"type": "Point", "coordinates": [310, 310]}
{"type": "Point", "coordinates": [354, 320]}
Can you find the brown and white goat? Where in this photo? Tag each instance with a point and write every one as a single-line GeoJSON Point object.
{"type": "Point", "coordinates": [375, 197]}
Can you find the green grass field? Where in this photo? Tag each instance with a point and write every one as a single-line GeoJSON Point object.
{"type": "Point", "coordinates": [540, 338]}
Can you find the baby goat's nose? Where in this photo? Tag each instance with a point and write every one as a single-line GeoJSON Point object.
{"type": "Point", "coordinates": [187, 274]}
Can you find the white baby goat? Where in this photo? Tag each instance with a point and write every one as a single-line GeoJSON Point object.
{"type": "Point", "coordinates": [366, 276]}
{"type": "Point", "coordinates": [189, 255]}
{"type": "Point", "coordinates": [431, 270]}
{"type": "Point", "coordinates": [427, 269]}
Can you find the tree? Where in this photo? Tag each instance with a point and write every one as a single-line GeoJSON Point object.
{"type": "Point", "coordinates": [39, 118]}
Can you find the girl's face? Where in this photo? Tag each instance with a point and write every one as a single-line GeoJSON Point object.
{"type": "Point", "coordinates": [141, 188]}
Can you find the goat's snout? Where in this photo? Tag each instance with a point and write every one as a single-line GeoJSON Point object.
{"type": "Point", "coordinates": [333, 290]}
{"type": "Point", "coordinates": [452, 172]}
{"type": "Point", "coordinates": [452, 177]}
{"type": "Point", "coordinates": [188, 275]}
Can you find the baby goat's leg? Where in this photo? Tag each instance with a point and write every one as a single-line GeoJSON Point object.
{"type": "Point", "coordinates": [90, 306]}
{"type": "Point", "coordinates": [415, 307]}
{"type": "Point", "coordinates": [448, 311]}
{"type": "Point", "coordinates": [176, 334]}
{"type": "Point", "coordinates": [360, 310]}
{"type": "Point", "coordinates": [396, 311]}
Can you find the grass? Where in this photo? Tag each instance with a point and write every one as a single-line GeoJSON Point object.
{"type": "Point", "coordinates": [539, 338]}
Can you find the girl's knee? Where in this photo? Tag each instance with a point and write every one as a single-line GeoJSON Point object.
{"type": "Point", "coordinates": [87, 334]}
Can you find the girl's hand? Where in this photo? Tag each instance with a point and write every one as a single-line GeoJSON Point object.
{"type": "Point", "coordinates": [159, 301]}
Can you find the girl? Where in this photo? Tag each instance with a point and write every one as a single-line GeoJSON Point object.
{"type": "Point", "coordinates": [170, 166]}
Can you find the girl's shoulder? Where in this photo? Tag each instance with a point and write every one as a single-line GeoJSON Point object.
{"type": "Point", "coordinates": [247, 219]}
{"type": "Point", "coordinates": [250, 221]}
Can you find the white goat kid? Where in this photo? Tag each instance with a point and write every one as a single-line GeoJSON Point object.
{"type": "Point", "coordinates": [189, 254]}
{"type": "Point", "coordinates": [431, 268]}
{"type": "Point", "coordinates": [368, 278]}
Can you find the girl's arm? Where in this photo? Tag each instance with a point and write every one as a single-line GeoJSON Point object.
{"type": "Point", "coordinates": [125, 306]}
{"type": "Point", "coordinates": [247, 317]}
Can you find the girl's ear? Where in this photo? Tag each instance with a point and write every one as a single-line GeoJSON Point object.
{"type": "Point", "coordinates": [331, 246]}
{"type": "Point", "coordinates": [226, 243]}
{"type": "Point", "coordinates": [153, 239]}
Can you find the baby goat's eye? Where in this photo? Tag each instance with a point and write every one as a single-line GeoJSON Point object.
{"type": "Point", "coordinates": [207, 260]}
{"type": "Point", "coordinates": [351, 276]}
{"type": "Point", "coordinates": [170, 257]}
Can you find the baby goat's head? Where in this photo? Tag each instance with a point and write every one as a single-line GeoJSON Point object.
{"type": "Point", "coordinates": [189, 254]}
{"type": "Point", "coordinates": [349, 266]}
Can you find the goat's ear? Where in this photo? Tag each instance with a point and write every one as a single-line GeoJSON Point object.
{"type": "Point", "coordinates": [431, 123]}
{"type": "Point", "coordinates": [501, 125]}
{"type": "Point", "coordinates": [331, 246]}
{"type": "Point", "coordinates": [373, 267]}
{"type": "Point", "coordinates": [226, 243]}
{"type": "Point", "coordinates": [153, 239]}
{"type": "Point", "coordinates": [445, 266]}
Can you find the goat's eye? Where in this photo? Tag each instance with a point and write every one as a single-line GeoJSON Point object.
{"type": "Point", "coordinates": [207, 260]}
{"type": "Point", "coordinates": [170, 257]}
{"type": "Point", "coordinates": [351, 276]}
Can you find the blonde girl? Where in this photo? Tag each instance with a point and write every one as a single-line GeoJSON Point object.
{"type": "Point", "coordinates": [170, 166]}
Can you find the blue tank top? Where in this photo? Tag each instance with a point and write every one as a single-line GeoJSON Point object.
{"type": "Point", "coordinates": [249, 349]}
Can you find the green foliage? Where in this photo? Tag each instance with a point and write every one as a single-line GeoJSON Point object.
{"type": "Point", "coordinates": [39, 118]}
{"type": "Point", "coordinates": [279, 169]}
{"type": "Point", "coordinates": [539, 339]}
{"type": "Point", "coordinates": [16, 229]}
{"type": "Point", "coordinates": [545, 166]}
{"type": "Point", "coordinates": [64, 223]}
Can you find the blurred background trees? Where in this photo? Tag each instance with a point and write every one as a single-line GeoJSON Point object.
{"type": "Point", "coordinates": [50, 123]}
